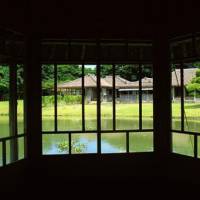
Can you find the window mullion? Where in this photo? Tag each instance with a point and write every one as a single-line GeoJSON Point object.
{"type": "Point", "coordinates": [140, 97]}
{"type": "Point", "coordinates": [83, 98]}
{"type": "Point", "coordinates": [55, 98]}
{"type": "Point", "coordinates": [114, 97]}
{"type": "Point", "coordinates": [13, 112]}
{"type": "Point", "coordinates": [182, 97]}
{"type": "Point", "coordinates": [98, 109]}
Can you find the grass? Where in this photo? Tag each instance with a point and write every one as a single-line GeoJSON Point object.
{"type": "Point", "coordinates": [192, 110]}
{"type": "Point", "coordinates": [4, 108]}
{"type": "Point", "coordinates": [122, 110]}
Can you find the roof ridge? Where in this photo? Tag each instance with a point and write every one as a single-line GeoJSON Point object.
{"type": "Point", "coordinates": [93, 77]}
{"type": "Point", "coordinates": [123, 79]}
{"type": "Point", "coordinates": [69, 81]}
{"type": "Point", "coordinates": [104, 79]}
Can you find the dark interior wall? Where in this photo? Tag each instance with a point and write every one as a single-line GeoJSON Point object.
{"type": "Point", "coordinates": [62, 19]}
{"type": "Point", "coordinates": [76, 19]}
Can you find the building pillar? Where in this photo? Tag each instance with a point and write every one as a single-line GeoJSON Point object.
{"type": "Point", "coordinates": [32, 84]}
{"type": "Point", "coordinates": [162, 94]}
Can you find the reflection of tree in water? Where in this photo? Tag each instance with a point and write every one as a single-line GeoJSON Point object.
{"type": "Point", "coordinates": [76, 146]}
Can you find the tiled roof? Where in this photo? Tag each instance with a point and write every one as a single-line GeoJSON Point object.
{"type": "Point", "coordinates": [106, 82]}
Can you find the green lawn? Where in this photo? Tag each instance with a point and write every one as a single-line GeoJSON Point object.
{"type": "Point", "coordinates": [122, 110]}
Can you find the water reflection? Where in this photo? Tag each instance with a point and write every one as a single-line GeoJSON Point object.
{"type": "Point", "coordinates": [111, 143]}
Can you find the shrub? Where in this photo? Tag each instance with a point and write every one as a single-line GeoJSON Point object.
{"type": "Point", "coordinates": [61, 99]}
{"type": "Point", "coordinates": [47, 100]}
{"type": "Point", "coordinates": [72, 99]}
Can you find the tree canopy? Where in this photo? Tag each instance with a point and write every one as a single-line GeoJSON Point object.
{"type": "Point", "coordinates": [67, 73]}
{"type": "Point", "coordinates": [194, 85]}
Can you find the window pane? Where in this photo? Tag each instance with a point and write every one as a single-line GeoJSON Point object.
{"type": "Point", "coordinates": [53, 144]}
{"type": "Point", "coordinates": [48, 98]}
{"type": "Point", "coordinates": [141, 142]}
{"type": "Point", "coordinates": [198, 46]}
{"type": "Point", "coordinates": [176, 97]}
{"type": "Point", "coordinates": [106, 97]}
{"type": "Point", "coordinates": [69, 97]}
{"type": "Point", "coordinates": [183, 144]}
{"type": "Point", "coordinates": [127, 106]}
{"type": "Point", "coordinates": [4, 101]}
{"type": "Point", "coordinates": [192, 97]}
{"type": "Point", "coordinates": [90, 97]}
{"type": "Point", "coordinates": [147, 97]}
{"type": "Point", "coordinates": [1, 155]}
{"type": "Point", "coordinates": [8, 151]}
{"type": "Point", "coordinates": [198, 140]}
{"type": "Point", "coordinates": [21, 146]}
{"type": "Point", "coordinates": [113, 142]}
{"type": "Point", "coordinates": [84, 143]}
{"type": "Point", "coordinates": [20, 99]}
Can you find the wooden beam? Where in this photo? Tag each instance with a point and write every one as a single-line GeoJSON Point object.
{"type": "Point", "coordinates": [33, 93]}
{"type": "Point", "coordinates": [162, 94]}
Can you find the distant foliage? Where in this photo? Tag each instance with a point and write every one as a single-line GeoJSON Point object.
{"type": "Point", "coordinates": [72, 99]}
{"type": "Point", "coordinates": [193, 88]}
{"type": "Point", "coordinates": [4, 82]}
{"type": "Point", "coordinates": [64, 73]}
{"type": "Point", "coordinates": [61, 99]}
{"type": "Point", "coordinates": [129, 72]}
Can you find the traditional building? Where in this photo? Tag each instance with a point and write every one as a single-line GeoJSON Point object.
{"type": "Point", "coordinates": [126, 91]}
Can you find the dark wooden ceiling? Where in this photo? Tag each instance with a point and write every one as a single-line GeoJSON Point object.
{"type": "Point", "coordinates": [78, 19]}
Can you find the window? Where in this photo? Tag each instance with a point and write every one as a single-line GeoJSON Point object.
{"type": "Point", "coordinates": [12, 138]}
{"type": "Point", "coordinates": [98, 106]}
{"type": "Point", "coordinates": [185, 96]}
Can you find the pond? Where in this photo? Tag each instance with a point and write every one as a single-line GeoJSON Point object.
{"type": "Point", "coordinates": [110, 142]}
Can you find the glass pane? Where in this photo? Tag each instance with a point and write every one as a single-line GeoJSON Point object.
{"type": "Point", "coordinates": [69, 97]}
{"type": "Point", "coordinates": [127, 106]}
{"type": "Point", "coordinates": [53, 144]}
{"type": "Point", "coordinates": [48, 98]}
{"type": "Point", "coordinates": [192, 97]}
{"type": "Point", "coordinates": [141, 142]}
{"type": "Point", "coordinates": [176, 97]}
{"type": "Point", "coordinates": [20, 99]}
{"type": "Point", "coordinates": [182, 49]}
{"type": "Point", "coordinates": [1, 155]}
{"type": "Point", "coordinates": [90, 97]}
{"type": "Point", "coordinates": [183, 144]}
{"type": "Point", "coordinates": [113, 142]}
{"type": "Point", "coordinates": [10, 147]}
{"type": "Point", "coordinates": [84, 143]}
{"type": "Point", "coordinates": [198, 138]}
{"type": "Point", "coordinates": [106, 97]}
{"type": "Point", "coordinates": [147, 97]}
{"type": "Point", "coordinates": [4, 101]}
{"type": "Point", "coordinates": [21, 148]}
{"type": "Point", "coordinates": [8, 151]}
{"type": "Point", "coordinates": [198, 46]}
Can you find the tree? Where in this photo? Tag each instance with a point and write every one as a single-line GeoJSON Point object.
{"type": "Point", "coordinates": [194, 86]}
{"type": "Point", "coordinates": [4, 82]}
{"type": "Point", "coordinates": [129, 72]}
